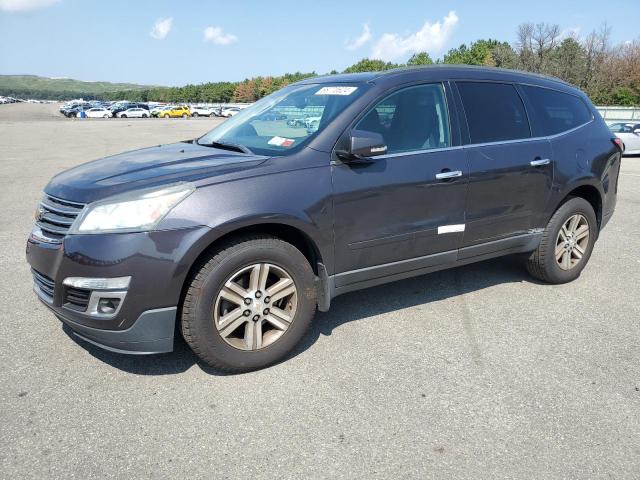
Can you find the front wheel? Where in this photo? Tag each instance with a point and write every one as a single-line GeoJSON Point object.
{"type": "Point", "coordinates": [123, 116]}
{"type": "Point", "coordinates": [567, 243]}
{"type": "Point", "coordinates": [249, 304]}
{"type": "Point", "coordinates": [184, 115]}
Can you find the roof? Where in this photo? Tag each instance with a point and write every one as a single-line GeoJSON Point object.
{"type": "Point", "coordinates": [453, 71]}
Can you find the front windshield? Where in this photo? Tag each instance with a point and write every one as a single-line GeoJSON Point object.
{"type": "Point", "coordinates": [285, 120]}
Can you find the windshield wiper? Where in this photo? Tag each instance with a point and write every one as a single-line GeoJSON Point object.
{"type": "Point", "coordinates": [234, 147]}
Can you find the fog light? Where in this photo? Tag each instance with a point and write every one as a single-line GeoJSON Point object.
{"type": "Point", "coordinates": [108, 306]}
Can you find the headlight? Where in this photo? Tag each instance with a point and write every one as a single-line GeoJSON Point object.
{"type": "Point", "coordinates": [135, 211]}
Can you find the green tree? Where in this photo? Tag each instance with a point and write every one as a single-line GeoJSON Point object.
{"type": "Point", "coordinates": [420, 58]}
{"type": "Point", "coordinates": [370, 65]}
{"type": "Point", "coordinates": [483, 52]}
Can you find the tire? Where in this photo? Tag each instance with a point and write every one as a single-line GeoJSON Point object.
{"type": "Point", "coordinates": [123, 116]}
{"type": "Point", "coordinates": [202, 302]}
{"type": "Point", "coordinates": [165, 116]}
{"type": "Point", "coordinates": [543, 263]}
{"type": "Point", "coordinates": [194, 114]}
{"type": "Point", "coordinates": [105, 116]}
{"type": "Point", "coordinates": [144, 115]}
{"type": "Point", "coordinates": [184, 115]}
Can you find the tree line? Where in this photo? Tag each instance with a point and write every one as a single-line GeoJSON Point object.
{"type": "Point", "coordinates": [609, 74]}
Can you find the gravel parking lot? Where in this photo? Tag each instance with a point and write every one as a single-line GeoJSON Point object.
{"type": "Point", "coordinates": [478, 372]}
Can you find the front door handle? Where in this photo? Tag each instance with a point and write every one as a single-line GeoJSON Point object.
{"type": "Point", "coordinates": [447, 175]}
{"type": "Point", "coordinates": [538, 162]}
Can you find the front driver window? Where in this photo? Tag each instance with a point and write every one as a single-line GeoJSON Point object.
{"type": "Point", "coordinates": [411, 119]}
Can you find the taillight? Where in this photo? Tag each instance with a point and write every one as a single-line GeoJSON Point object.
{"type": "Point", "coordinates": [618, 143]}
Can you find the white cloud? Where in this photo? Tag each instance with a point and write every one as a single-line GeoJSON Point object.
{"type": "Point", "coordinates": [430, 38]}
{"type": "Point", "coordinates": [24, 5]}
{"type": "Point", "coordinates": [217, 36]}
{"type": "Point", "coordinates": [161, 28]}
{"type": "Point", "coordinates": [364, 37]}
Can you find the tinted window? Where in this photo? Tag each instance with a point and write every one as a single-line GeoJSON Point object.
{"type": "Point", "coordinates": [494, 112]}
{"type": "Point", "coordinates": [411, 119]}
{"type": "Point", "coordinates": [554, 112]}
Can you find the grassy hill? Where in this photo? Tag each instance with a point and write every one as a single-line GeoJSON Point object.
{"type": "Point", "coordinates": [32, 86]}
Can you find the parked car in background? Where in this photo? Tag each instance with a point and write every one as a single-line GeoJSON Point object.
{"type": "Point", "coordinates": [175, 112]}
{"type": "Point", "coordinates": [229, 111]}
{"type": "Point", "coordinates": [135, 112]}
{"type": "Point", "coordinates": [155, 111]}
{"type": "Point", "coordinates": [237, 237]}
{"type": "Point", "coordinates": [312, 123]}
{"type": "Point", "coordinates": [197, 111]}
{"type": "Point", "coordinates": [121, 107]}
{"type": "Point", "coordinates": [629, 133]}
{"type": "Point", "coordinates": [73, 111]}
{"type": "Point", "coordinates": [98, 113]}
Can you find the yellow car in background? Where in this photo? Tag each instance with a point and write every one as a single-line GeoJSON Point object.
{"type": "Point", "coordinates": [175, 112]}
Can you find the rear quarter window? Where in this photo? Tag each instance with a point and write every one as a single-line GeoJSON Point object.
{"type": "Point", "coordinates": [554, 112]}
{"type": "Point", "coordinates": [494, 112]}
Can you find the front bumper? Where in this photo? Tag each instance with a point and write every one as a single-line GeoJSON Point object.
{"type": "Point", "coordinates": [151, 333]}
{"type": "Point", "coordinates": [157, 263]}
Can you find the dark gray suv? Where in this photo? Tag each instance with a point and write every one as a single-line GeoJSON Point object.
{"type": "Point", "coordinates": [329, 185]}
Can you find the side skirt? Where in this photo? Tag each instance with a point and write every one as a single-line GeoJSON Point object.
{"type": "Point", "coordinates": [333, 285]}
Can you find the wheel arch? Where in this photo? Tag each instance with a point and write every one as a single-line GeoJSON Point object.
{"type": "Point", "coordinates": [284, 231]}
{"type": "Point", "coordinates": [591, 193]}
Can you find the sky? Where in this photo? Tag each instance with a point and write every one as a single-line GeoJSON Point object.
{"type": "Point", "coordinates": [175, 42]}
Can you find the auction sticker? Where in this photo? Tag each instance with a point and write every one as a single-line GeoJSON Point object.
{"type": "Point", "coordinates": [336, 90]}
{"type": "Point", "coordinates": [281, 142]}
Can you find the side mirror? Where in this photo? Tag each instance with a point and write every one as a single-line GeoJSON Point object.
{"type": "Point", "coordinates": [362, 144]}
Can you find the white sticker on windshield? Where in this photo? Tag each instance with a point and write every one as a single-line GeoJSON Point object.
{"type": "Point", "coordinates": [281, 142]}
{"type": "Point", "coordinates": [336, 90]}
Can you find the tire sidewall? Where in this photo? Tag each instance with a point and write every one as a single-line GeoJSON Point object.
{"type": "Point", "coordinates": [210, 341]}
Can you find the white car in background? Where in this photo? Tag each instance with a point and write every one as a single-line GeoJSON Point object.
{"type": "Point", "coordinates": [96, 113]}
{"type": "Point", "coordinates": [629, 133]}
{"type": "Point", "coordinates": [133, 113]}
{"type": "Point", "coordinates": [230, 111]}
{"type": "Point", "coordinates": [197, 111]}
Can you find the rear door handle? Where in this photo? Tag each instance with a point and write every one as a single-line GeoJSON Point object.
{"type": "Point", "coordinates": [540, 161]}
{"type": "Point", "coordinates": [447, 175]}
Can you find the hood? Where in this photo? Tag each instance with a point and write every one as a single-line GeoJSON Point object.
{"type": "Point", "coordinates": [147, 167]}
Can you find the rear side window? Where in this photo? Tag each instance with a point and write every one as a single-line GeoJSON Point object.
{"type": "Point", "coordinates": [554, 112]}
{"type": "Point", "coordinates": [494, 112]}
{"type": "Point", "coordinates": [411, 119]}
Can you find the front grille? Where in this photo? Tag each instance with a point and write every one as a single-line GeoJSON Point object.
{"type": "Point", "coordinates": [44, 283]}
{"type": "Point", "coordinates": [55, 216]}
{"type": "Point", "coordinates": [77, 298]}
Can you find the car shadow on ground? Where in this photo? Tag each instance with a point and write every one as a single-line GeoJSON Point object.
{"type": "Point", "coordinates": [350, 307]}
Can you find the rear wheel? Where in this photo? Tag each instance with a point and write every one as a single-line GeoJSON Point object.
{"type": "Point", "coordinates": [105, 116]}
{"type": "Point", "coordinates": [194, 114]}
{"type": "Point", "coordinates": [249, 304]}
{"type": "Point", "coordinates": [566, 244]}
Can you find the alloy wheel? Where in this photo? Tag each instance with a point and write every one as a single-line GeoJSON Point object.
{"type": "Point", "coordinates": [256, 306]}
{"type": "Point", "coordinates": [572, 241]}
